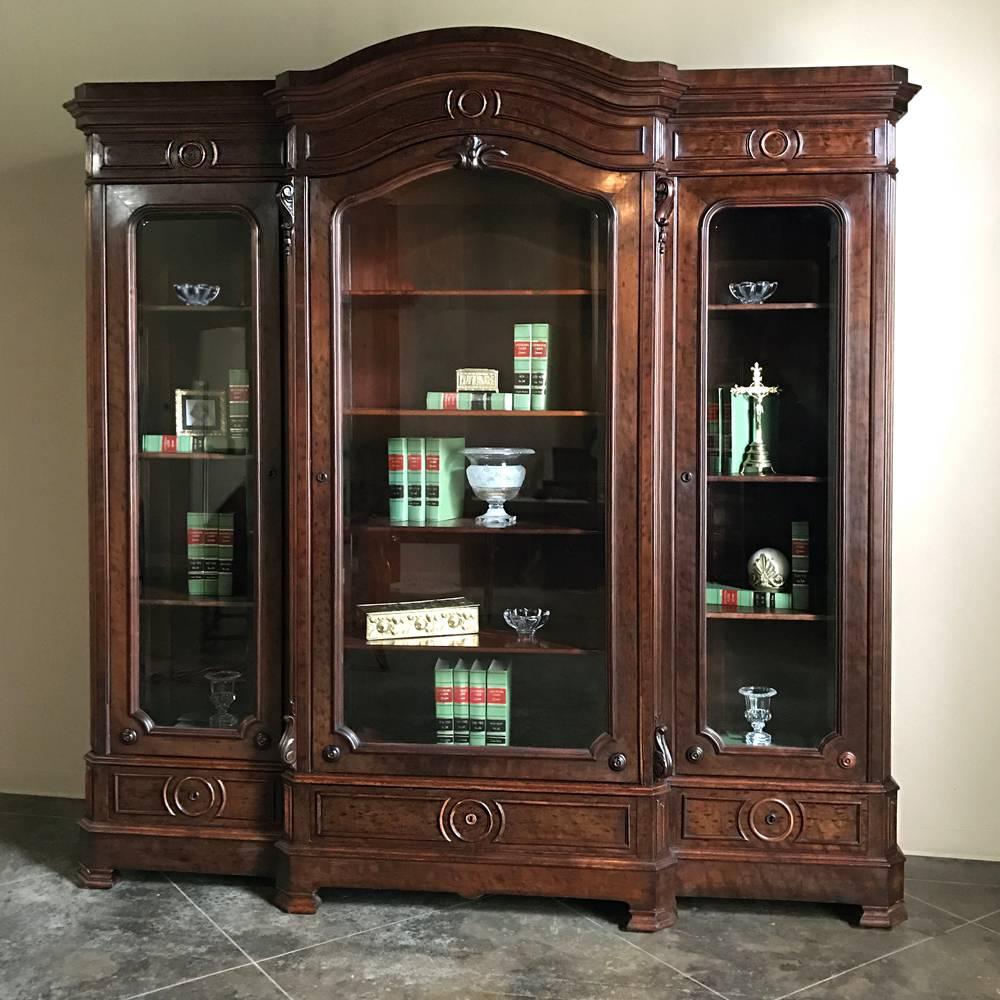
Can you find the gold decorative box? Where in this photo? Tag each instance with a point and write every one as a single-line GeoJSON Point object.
{"type": "Point", "coordinates": [477, 380]}
{"type": "Point", "coordinates": [417, 619]}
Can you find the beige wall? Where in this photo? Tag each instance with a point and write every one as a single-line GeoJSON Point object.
{"type": "Point", "coordinates": [947, 540]}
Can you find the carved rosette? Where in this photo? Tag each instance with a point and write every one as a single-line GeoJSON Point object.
{"type": "Point", "coordinates": [770, 820]}
{"type": "Point", "coordinates": [194, 796]}
{"type": "Point", "coordinates": [472, 103]}
{"type": "Point", "coordinates": [192, 154]}
{"type": "Point", "coordinates": [471, 821]}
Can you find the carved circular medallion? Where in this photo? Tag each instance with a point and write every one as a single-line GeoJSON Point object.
{"type": "Point", "coordinates": [472, 103]}
{"type": "Point", "coordinates": [847, 760]}
{"type": "Point", "coordinates": [775, 143]}
{"type": "Point", "coordinates": [472, 821]}
{"type": "Point", "coordinates": [194, 796]}
{"type": "Point", "coordinates": [191, 154]}
{"type": "Point", "coordinates": [771, 820]}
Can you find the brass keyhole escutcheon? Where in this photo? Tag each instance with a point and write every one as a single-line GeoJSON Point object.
{"type": "Point", "coordinates": [194, 796]}
{"type": "Point", "coordinates": [770, 819]}
{"type": "Point", "coordinates": [471, 819]}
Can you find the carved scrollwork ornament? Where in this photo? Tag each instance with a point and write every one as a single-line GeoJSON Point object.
{"type": "Point", "coordinates": [473, 153]}
{"type": "Point", "coordinates": [663, 763]}
{"type": "Point", "coordinates": [286, 745]}
{"type": "Point", "coordinates": [664, 197]}
{"type": "Point", "coordinates": [286, 217]}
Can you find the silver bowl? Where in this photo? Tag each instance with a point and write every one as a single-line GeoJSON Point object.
{"type": "Point", "coordinates": [752, 293]}
{"type": "Point", "coordinates": [197, 295]}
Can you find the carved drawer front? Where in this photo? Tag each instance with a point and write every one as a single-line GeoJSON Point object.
{"type": "Point", "coordinates": [799, 145]}
{"type": "Point", "coordinates": [793, 821]}
{"type": "Point", "coordinates": [476, 820]}
{"type": "Point", "coordinates": [186, 797]}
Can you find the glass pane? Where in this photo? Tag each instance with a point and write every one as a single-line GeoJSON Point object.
{"type": "Point", "coordinates": [772, 460]}
{"type": "Point", "coordinates": [498, 272]}
{"type": "Point", "coordinates": [195, 320]}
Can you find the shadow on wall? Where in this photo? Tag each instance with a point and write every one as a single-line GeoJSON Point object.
{"type": "Point", "coordinates": [44, 647]}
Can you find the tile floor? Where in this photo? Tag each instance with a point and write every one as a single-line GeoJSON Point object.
{"type": "Point", "coordinates": [173, 937]}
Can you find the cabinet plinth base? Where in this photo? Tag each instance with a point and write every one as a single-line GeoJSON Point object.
{"type": "Point", "coordinates": [94, 878]}
{"type": "Point", "coordinates": [648, 921]}
{"type": "Point", "coordinates": [296, 902]}
{"type": "Point", "coordinates": [883, 917]}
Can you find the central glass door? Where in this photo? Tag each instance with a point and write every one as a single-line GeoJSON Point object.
{"type": "Point", "coordinates": [473, 333]}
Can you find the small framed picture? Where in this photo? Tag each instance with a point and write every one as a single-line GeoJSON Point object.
{"type": "Point", "coordinates": [200, 411]}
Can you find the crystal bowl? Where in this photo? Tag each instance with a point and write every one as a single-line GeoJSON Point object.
{"type": "Point", "coordinates": [526, 621]}
{"type": "Point", "coordinates": [197, 295]}
{"type": "Point", "coordinates": [752, 293]}
{"type": "Point", "coordinates": [495, 476]}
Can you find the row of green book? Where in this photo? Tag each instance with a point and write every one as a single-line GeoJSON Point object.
{"type": "Point", "coordinates": [426, 479]}
{"type": "Point", "coordinates": [730, 429]}
{"type": "Point", "coordinates": [210, 553]}
{"type": "Point", "coordinates": [472, 702]}
{"type": "Point", "coordinates": [796, 599]}
{"type": "Point", "coordinates": [531, 366]}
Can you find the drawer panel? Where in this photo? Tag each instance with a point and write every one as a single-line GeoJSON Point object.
{"type": "Point", "coordinates": [474, 819]}
{"type": "Point", "coordinates": [799, 821]}
{"type": "Point", "coordinates": [192, 797]}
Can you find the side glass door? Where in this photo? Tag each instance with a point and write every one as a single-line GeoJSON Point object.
{"type": "Point", "coordinates": [204, 456]}
{"type": "Point", "coordinates": [780, 628]}
{"type": "Point", "coordinates": [510, 276]}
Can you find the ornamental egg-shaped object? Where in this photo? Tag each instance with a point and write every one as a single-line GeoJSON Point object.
{"type": "Point", "coordinates": [768, 570]}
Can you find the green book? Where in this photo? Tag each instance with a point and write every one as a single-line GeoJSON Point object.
{"type": "Point", "coordinates": [522, 366]}
{"type": "Point", "coordinates": [201, 553]}
{"type": "Point", "coordinates": [398, 496]}
{"type": "Point", "coordinates": [539, 366]}
{"type": "Point", "coordinates": [477, 704]}
{"type": "Point", "coordinates": [444, 479]}
{"type": "Point", "coordinates": [498, 704]}
{"type": "Point", "coordinates": [416, 511]}
{"type": "Point", "coordinates": [470, 401]}
{"type": "Point", "coordinates": [224, 553]}
{"type": "Point", "coordinates": [238, 410]}
{"type": "Point", "coordinates": [444, 703]}
{"type": "Point", "coordinates": [743, 597]}
{"type": "Point", "coordinates": [460, 701]}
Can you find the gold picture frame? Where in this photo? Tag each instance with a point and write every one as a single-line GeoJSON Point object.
{"type": "Point", "coordinates": [200, 411]}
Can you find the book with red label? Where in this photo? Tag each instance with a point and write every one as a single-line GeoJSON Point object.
{"type": "Point", "coordinates": [201, 554]}
{"type": "Point", "coordinates": [522, 366]}
{"type": "Point", "coordinates": [539, 366]}
{"type": "Point", "coordinates": [444, 701]}
{"type": "Point", "coordinates": [460, 700]}
{"type": "Point", "coordinates": [416, 511]}
{"type": "Point", "coordinates": [498, 704]}
{"type": "Point", "coordinates": [477, 704]}
{"type": "Point", "coordinates": [398, 498]}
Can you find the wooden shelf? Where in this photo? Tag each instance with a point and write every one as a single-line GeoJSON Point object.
{"type": "Point", "coordinates": [195, 456]}
{"type": "Point", "coordinates": [467, 526]}
{"type": "Point", "coordinates": [486, 641]}
{"type": "Point", "coordinates": [757, 480]}
{"type": "Point", "coordinates": [171, 598]}
{"type": "Point", "coordinates": [762, 614]}
{"type": "Point", "coordinates": [194, 310]}
{"type": "Point", "coordinates": [767, 307]}
{"type": "Point", "coordinates": [365, 411]}
{"type": "Point", "coordinates": [463, 293]}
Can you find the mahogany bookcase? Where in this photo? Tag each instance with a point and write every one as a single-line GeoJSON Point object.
{"type": "Point", "coordinates": [368, 228]}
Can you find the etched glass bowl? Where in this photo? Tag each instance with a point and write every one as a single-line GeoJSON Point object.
{"type": "Point", "coordinates": [752, 293]}
{"type": "Point", "coordinates": [197, 295]}
{"type": "Point", "coordinates": [758, 714]}
{"type": "Point", "coordinates": [495, 476]}
{"type": "Point", "coordinates": [526, 621]}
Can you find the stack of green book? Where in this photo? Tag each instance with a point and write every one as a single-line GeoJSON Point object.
{"type": "Point", "coordinates": [743, 597]}
{"type": "Point", "coordinates": [470, 401]}
{"type": "Point", "coordinates": [729, 429]}
{"type": "Point", "coordinates": [531, 366]}
{"type": "Point", "coordinates": [210, 554]}
{"type": "Point", "coordinates": [472, 702]}
{"type": "Point", "coordinates": [426, 480]}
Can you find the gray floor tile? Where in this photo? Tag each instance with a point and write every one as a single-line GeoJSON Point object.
{"type": "Point", "coordinates": [953, 870]}
{"type": "Point", "coordinates": [33, 845]}
{"type": "Point", "coordinates": [964, 965]}
{"type": "Point", "coordinates": [964, 900]}
{"type": "Point", "coordinates": [79, 944]}
{"type": "Point", "coordinates": [499, 946]}
{"type": "Point", "coordinates": [243, 907]}
{"type": "Point", "coordinates": [40, 805]}
{"type": "Point", "coordinates": [763, 950]}
{"type": "Point", "coordinates": [239, 984]}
